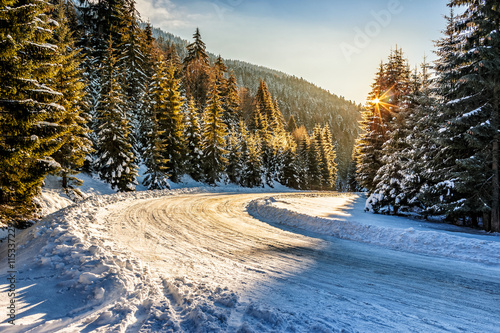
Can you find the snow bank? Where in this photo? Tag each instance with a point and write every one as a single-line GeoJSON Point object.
{"type": "Point", "coordinates": [428, 242]}
{"type": "Point", "coordinates": [82, 279]}
{"type": "Point", "coordinates": [80, 276]}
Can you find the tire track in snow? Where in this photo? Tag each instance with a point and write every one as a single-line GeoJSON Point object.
{"type": "Point", "coordinates": [224, 270]}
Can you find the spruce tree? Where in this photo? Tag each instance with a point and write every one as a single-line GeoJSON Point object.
{"type": "Point", "coordinates": [213, 138]}
{"type": "Point", "coordinates": [292, 125]}
{"type": "Point", "coordinates": [251, 160]}
{"type": "Point", "coordinates": [115, 156]}
{"type": "Point", "coordinates": [382, 118]}
{"type": "Point", "coordinates": [265, 104]}
{"type": "Point", "coordinates": [314, 180]}
{"type": "Point", "coordinates": [328, 156]}
{"type": "Point", "coordinates": [168, 115]}
{"type": "Point", "coordinates": [132, 63]}
{"type": "Point", "coordinates": [197, 72]}
{"type": "Point", "coordinates": [192, 133]}
{"type": "Point", "coordinates": [473, 116]}
{"type": "Point", "coordinates": [68, 80]}
{"type": "Point", "coordinates": [30, 115]}
{"type": "Point", "coordinates": [231, 104]}
{"type": "Point", "coordinates": [289, 171]}
{"type": "Point", "coordinates": [234, 167]}
{"type": "Point", "coordinates": [145, 114]}
{"type": "Point", "coordinates": [301, 137]}
{"type": "Point", "coordinates": [369, 145]}
{"type": "Point", "coordinates": [155, 158]}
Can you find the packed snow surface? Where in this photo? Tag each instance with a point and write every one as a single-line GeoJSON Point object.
{"type": "Point", "coordinates": [235, 260]}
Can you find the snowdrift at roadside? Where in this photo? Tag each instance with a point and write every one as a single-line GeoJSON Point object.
{"type": "Point", "coordinates": [426, 242]}
{"type": "Point", "coordinates": [76, 272]}
{"type": "Point", "coordinates": [76, 277]}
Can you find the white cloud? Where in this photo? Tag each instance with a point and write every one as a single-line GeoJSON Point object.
{"type": "Point", "coordinates": [166, 14]}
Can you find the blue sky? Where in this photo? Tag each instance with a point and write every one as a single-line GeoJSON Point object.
{"type": "Point", "coordinates": [336, 45]}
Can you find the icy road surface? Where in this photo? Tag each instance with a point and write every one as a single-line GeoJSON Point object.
{"type": "Point", "coordinates": [290, 280]}
{"type": "Point", "coordinates": [231, 262]}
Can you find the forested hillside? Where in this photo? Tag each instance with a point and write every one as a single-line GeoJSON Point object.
{"type": "Point", "coordinates": [86, 88]}
{"type": "Point", "coordinates": [308, 103]}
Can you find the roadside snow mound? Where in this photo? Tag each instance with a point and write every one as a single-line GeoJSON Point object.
{"type": "Point", "coordinates": [79, 279]}
{"type": "Point", "coordinates": [72, 275]}
{"type": "Point", "coordinates": [427, 242]}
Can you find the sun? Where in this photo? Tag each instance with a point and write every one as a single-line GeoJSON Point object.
{"type": "Point", "coordinates": [376, 101]}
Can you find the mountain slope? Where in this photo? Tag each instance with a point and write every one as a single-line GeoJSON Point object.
{"type": "Point", "coordinates": [308, 103]}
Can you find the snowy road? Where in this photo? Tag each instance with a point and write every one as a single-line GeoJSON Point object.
{"type": "Point", "coordinates": [222, 269]}
{"type": "Point", "coordinates": [195, 260]}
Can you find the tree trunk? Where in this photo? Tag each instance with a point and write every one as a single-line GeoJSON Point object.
{"type": "Point", "coordinates": [495, 221]}
{"type": "Point", "coordinates": [487, 221]}
{"type": "Point", "coordinates": [495, 218]}
{"type": "Point", "coordinates": [64, 181]}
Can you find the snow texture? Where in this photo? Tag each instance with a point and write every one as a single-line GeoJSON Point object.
{"type": "Point", "coordinates": [193, 260]}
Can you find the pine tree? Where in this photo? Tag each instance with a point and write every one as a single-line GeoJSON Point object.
{"type": "Point", "coordinates": [417, 147]}
{"type": "Point", "coordinates": [265, 105]}
{"type": "Point", "coordinates": [168, 114]}
{"type": "Point", "coordinates": [173, 57]}
{"type": "Point", "coordinates": [251, 160]}
{"type": "Point", "coordinates": [301, 138]}
{"type": "Point", "coordinates": [231, 104]}
{"type": "Point", "coordinates": [382, 118]}
{"type": "Point", "coordinates": [116, 158]}
{"type": "Point", "coordinates": [30, 115]}
{"type": "Point", "coordinates": [369, 145]}
{"type": "Point", "coordinates": [192, 133]}
{"type": "Point", "coordinates": [68, 80]}
{"type": "Point", "coordinates": [132, 63]}
{"type": "Point", "coordinates": [219, 71]}
{"type": "Point", "coordinates": [234, 167]}
{"type": "Point", "coordinates": [439, 191]}
{"type": "Point", "coordinates": [314, 180]}
{"type": "Point", "coordinates": [292, 125]}
{"type": "Point", "coordinates": [197, 72]}
{"type": "Point", "coordinates": [289, 171]}
{"type": "Point", "coordinates": [155, 158]}
{"type": "Point", "coordinates": [473, 119]}
{"type": "Point", "coordinates": [328, 156]}
{"type": "Point", "coordinates": [213, 138]}
{"type": "Point", "coordinates": [145, 116]}
{"type": "Point", "coordinates": [257, 120]}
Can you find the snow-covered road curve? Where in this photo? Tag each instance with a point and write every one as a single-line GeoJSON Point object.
{"type": "Point", "coordinates": [221, 269]}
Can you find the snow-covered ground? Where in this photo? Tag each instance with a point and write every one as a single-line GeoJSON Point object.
{"type": "Point", "coordinates": [343, 216]}
{"type": "Point", "coordinates": [236, 260]}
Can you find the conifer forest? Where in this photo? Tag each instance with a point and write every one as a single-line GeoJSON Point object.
{"type": "Point", "coordinates": [256, 166]}
{"type": "Point", "coordinates": [90, 87]}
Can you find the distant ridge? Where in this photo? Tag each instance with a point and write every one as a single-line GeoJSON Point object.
{"type": "Point", "coordinates": [308, 103]}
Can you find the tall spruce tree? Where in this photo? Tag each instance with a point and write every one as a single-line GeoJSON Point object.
{"type": "Point", "coordinates": [197, 72]}
{"type": "Point", "coordinates": [132, 62]}
{"type": "Point", "coordinates": [68, 80]}
{"type": "Point", "coordinates": [231, 104]}
{"type": "Point", "coordinates": [265, 105]}
{"type": "Point", "coordinates": [292, 125]}
{"type": "Point", "coordinates": [115, 156]}
{"type": "Point", "coordinates": [251, 159]}
{"type": "Point", "coordinates": [474, 115]}
{"type": "Point", "coordinates": [30, 114]}
{"type": "Point", "coordinates": [369, 145]}
{"type": "Point", "coordinates": [382, 117]}
{"type": "Point", "coordinates": [213, 138]}
{"type": "Point", "coordinates": [234, 166]}
{"type": "Point", "coordinates": [155, 158]}
{"type": "Point", "coordinates": [289, 170]}
{"type": "Point", "coordinates": [192, 134]}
